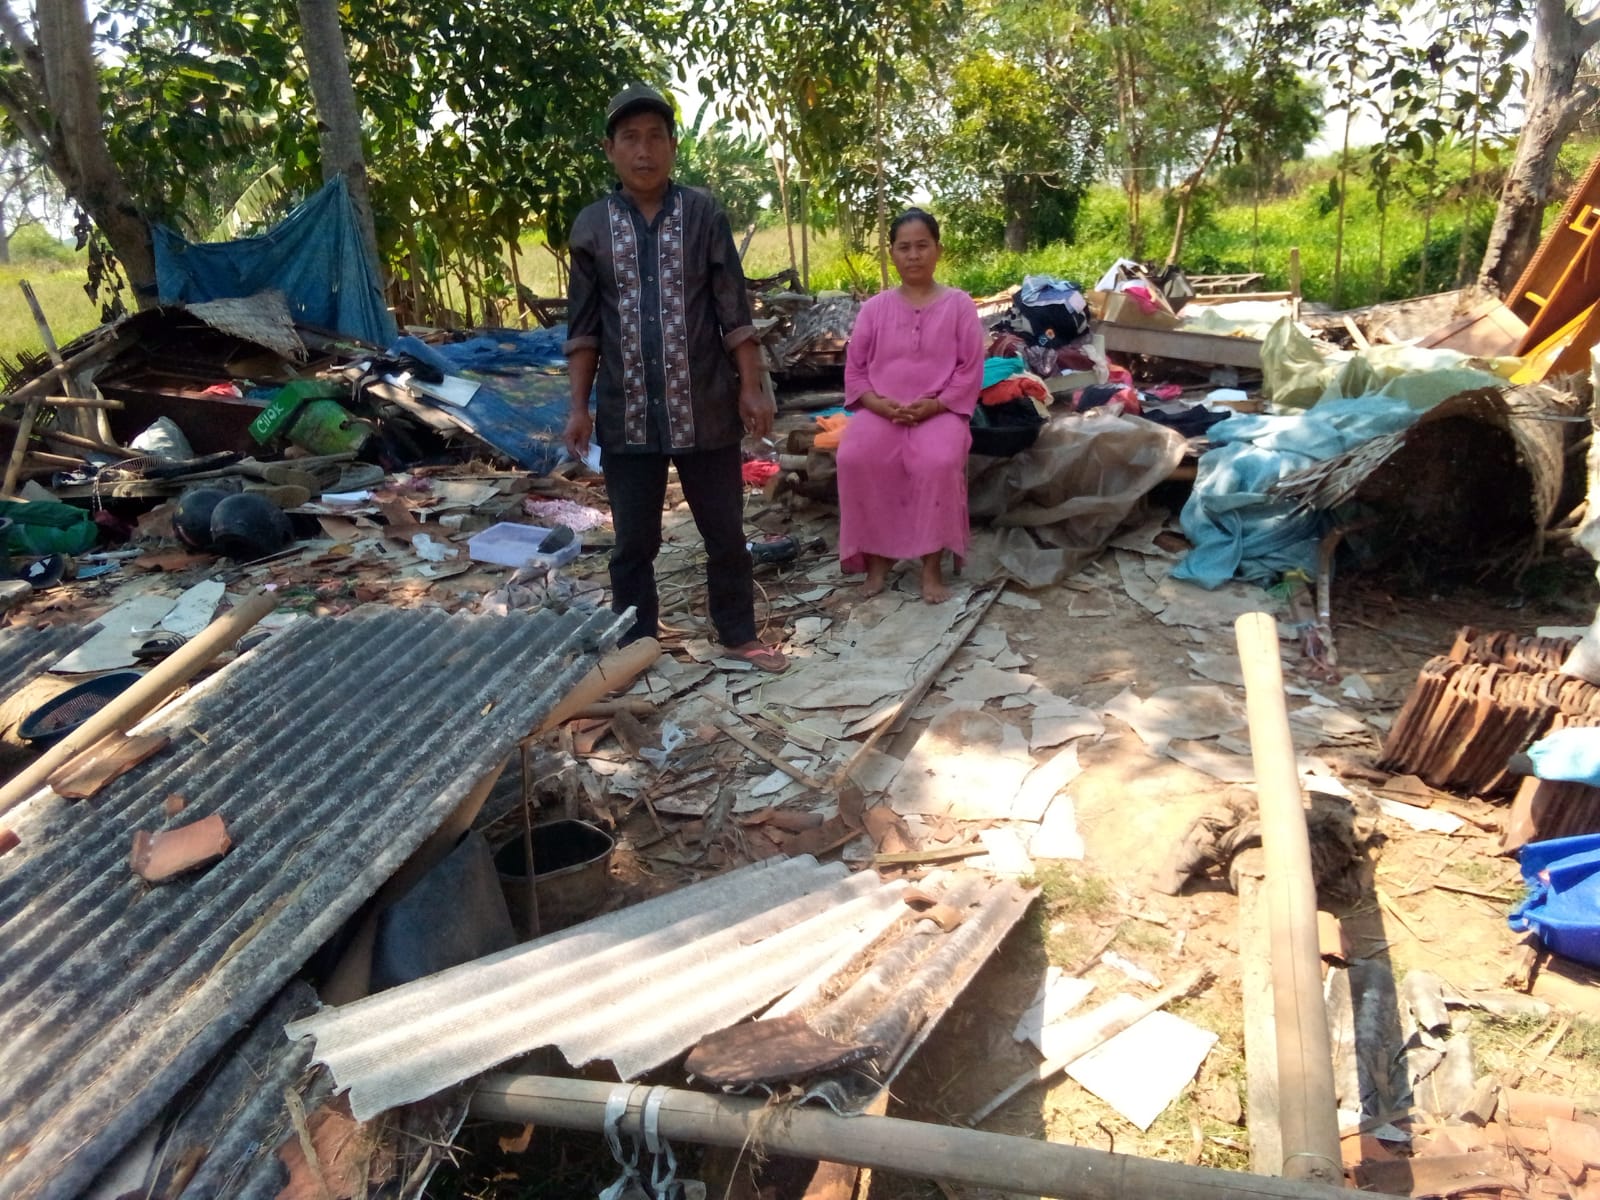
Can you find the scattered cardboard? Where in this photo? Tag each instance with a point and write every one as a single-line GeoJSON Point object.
{"type": "Point", "coordinates": [1044, 783]}
{"type": "Point", "coordinates": [1057, 836]}
{"type": "Point", "coordinates": [1058, 994]}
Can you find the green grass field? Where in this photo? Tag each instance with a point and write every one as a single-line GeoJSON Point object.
{"type": "Point", "coordinates": [61, 296]}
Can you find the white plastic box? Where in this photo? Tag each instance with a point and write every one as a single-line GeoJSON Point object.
{"type": "Point", "coordinates": [514, 545]}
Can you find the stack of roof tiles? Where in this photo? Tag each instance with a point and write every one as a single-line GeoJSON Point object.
{"type": "Point", "coordinates": [1492, 696]}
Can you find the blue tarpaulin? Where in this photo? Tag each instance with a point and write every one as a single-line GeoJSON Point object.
{"type": "Point", "coordinates": [520, 407]}
{"type": "Point", "coordinates": [313, 256]}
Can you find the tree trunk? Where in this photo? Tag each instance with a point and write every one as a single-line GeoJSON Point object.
{"type": "Point", "coordinates": [61, 82]}
{"type": "Point", "coordinates": [883, 194]}
{"type": "Point", "coordinates": [780, 164]}
{"type": "Point", "coordinates": [1553, 103]}
{"type": "Point", "coordinates": [338, 116]}
{"type": "Point", "coordinates": [1017, 198]}
{"type": "Point", "coordinates": [1344, 185]}
{"type": "Point", "coordinates": [805, 234]}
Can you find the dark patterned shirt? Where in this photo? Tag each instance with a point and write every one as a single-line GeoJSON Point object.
{"type": "Point", "coordinates": [664, 301]}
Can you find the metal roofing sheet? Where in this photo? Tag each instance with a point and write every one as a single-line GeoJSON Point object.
{"type": "Point", "coordinates": [635, 987]}
{"type": "Point", "coordinates": [26, 653]}
{"type": "Point", "coordinates": [331, 752]}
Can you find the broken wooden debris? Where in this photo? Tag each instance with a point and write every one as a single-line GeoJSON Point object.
{"type": "Point", "coordinates": [771, 1051]}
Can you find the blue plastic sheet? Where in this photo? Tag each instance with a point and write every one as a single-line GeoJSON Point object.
{"type": "Point", "coordinates": [520, 407]}
{"type": "Point", "coordinates": [505, 349]}
{"type": "Point", "coordinates": [1568, 754]}
{"type": "Point", "coordinates": [1563, 901]}
{"type": "Point", "coordinates": [1237, 529]}
{"type": "Point", "coordinates": [313, 256]}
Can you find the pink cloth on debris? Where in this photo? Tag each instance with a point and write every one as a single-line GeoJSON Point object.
{"type": "Point", "coordinates": [903, 488]}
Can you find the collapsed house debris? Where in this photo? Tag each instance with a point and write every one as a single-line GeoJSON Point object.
{"type": "Point", "coordinates": [717, 877]}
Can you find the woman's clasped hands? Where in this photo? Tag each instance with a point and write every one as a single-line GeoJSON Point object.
{"type": "Point", "coordinates": [914, 413]}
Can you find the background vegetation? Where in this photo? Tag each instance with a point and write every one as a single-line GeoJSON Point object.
{"type": "Point", "coordinates": [1050, 135]}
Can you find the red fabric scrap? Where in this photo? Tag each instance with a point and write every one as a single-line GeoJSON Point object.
{"type": "Point", "coordinates": [757, 471]}
{"type": "Point", "coordinates": [1018, 387]}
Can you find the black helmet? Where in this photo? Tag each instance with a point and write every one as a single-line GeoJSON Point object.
{"type": "Point", "coordinates": [249, 526]}
{"type": "Point", "coordinates": [192, 521]}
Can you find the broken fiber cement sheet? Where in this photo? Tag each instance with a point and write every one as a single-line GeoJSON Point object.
{"type": "Point", "coordinates": [1142, 1069]}
{"type": "Point", "coordinates": [968, 764]}
{"type": "Point", "coordinates": [636, 987]}
{"type": "Point", "coordinates": [881, 652]}
{"type": "Point", "coordinates": [1188, 713]}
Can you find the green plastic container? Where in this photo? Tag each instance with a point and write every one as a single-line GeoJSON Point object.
{"type": "Point", "coordinates": [306, 413]}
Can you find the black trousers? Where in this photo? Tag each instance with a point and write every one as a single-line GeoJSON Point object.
{"type": "Point", "coordinates": [636, 485]}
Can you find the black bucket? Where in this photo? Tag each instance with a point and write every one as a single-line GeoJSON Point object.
{"type": "Point", "coordinates": [572, 867]}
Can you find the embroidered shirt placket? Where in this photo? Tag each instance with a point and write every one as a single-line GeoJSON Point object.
{"type": "Point", "coordinates": [625, 268]}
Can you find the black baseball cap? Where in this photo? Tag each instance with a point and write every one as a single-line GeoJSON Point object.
{"type": "Point", "coordinates": [638, 97]}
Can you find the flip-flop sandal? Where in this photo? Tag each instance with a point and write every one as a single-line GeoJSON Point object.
{"type": "Point", "coordinates": [45, 572]}
{"type": "Point", "coordinates": [762, 658]}
{"type": "Point", "coordinates": [159, 647]}
{"type": "Point", "coordinates": [251, 640]}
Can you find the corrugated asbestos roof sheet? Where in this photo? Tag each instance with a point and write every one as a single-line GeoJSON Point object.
{"type": "Point", "coordinates": [635, 987]}
{"type": "Point", "coordinates": [223, 1138]}
{"type": "Point", "coordinates": [896, 990]}
{"type": "Point", "coordinates": [331, 752]}
{"type": "Point", "coordinates": [27, 653]}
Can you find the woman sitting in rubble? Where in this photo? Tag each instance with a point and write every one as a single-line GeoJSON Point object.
{"type": "Point", "coordinates": [912, 376]}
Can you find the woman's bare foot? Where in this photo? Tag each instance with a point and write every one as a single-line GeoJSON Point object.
{"type": "Point", "coordinates": [934, 589]}
{"type": "Point", "coordinates": [877, 575]}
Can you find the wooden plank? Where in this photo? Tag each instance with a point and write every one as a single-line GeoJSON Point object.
{"type": "Point", "coordinates": [1178, 344]}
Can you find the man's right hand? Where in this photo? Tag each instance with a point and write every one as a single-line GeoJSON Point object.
{"type": "Point", "coordinates": [580, 428]}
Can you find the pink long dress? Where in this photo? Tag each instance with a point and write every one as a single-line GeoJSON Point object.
{"type": "Point", "coordinates": [903, 488]}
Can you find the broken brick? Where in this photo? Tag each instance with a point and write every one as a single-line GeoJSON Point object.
{"type": "Point", "coordinates": [161, 856]}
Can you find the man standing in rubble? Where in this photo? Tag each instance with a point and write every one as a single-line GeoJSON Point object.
{"type": "Point", "coordinates": [659, 327]}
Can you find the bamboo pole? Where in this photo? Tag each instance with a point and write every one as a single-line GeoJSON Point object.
{"type": "Point", "coordinates": [82, 402]}
{"type": "Point", "coordinates": [1307, 1106]}
{"type": "Point", "coordinates": [19, 449]}
{"type": "Point", "coordinates": [60, 435]}
{"type": "Point", "coordinates": [954, 1156]}
{"type": "Point", "coordinates": [133, 705]}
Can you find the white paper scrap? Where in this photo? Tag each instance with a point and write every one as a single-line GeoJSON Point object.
{"type": "Point", "coordinates": [1131, 969]}
{"type": "Point", "coordinates": [114, 645]}
{"type": "Point", "coordinates": [1007, 853]}
{"type": "Point", "coordinates": [1058, 835]}
{"type": "Point", "coordinates": [1044, 783]}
